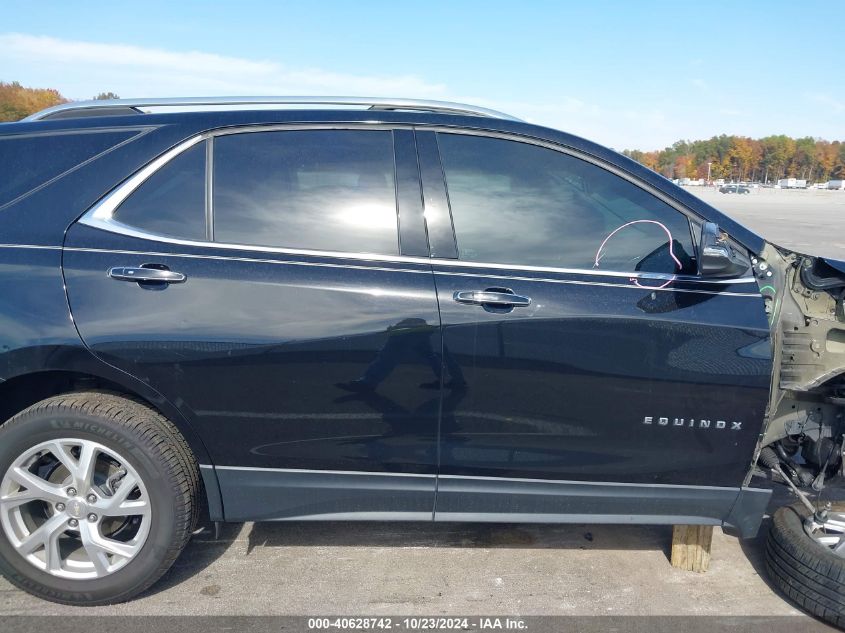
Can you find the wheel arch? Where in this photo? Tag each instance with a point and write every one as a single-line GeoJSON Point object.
{"type": "Point", "coordinates": [23, 390]}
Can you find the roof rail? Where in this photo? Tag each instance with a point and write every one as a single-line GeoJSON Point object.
{"type": "Point", "coordinates": [126, 106]}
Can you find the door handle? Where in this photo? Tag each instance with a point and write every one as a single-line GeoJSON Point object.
{"type": "Point", "coordinates": [145, 274]}
{"type": "Point", "coordinates": [499, 297]}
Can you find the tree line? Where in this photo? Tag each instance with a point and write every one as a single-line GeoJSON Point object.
{"type": "Point", "coordinates": [730, 157]}
{"type": "Point", "coordinates": [740, 158]}
{"type": "Point", "coordinates": [17, 101]}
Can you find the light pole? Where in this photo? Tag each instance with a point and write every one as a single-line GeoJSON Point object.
{"type": "Point", "coordinates": [708, 171]}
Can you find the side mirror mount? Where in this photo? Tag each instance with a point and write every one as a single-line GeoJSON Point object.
{"type": "Point", "coordinates": [716, 255]}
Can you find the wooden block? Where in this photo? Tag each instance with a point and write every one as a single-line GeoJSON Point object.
{"type": "Point", "coordinates": [691, 547]}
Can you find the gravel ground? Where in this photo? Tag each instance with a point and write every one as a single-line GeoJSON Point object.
{"type": "Point", "coordinates": [405, 569]}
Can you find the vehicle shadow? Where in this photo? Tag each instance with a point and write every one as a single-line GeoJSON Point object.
{"type": "Point", "coordinates": [460, 535]}
{"type": "Point", "coordinates": [204, 550]}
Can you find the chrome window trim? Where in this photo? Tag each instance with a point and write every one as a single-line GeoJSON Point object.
{"type": "Point", "coordinates": [101, 215]}
{"type": "Point", "coordinates": [104, 210]}
{"type": "Point", "coordinates": [589, 271]}
{"type": "Point", "coordinates": [113, 226]}
{"type": "Point", "coordinates": [259, 260]}
{"type": "Point", "coordinates": [209, 189]}
{"type": "Point", "coordinates": [426, 270]}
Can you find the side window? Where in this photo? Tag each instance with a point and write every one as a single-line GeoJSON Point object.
{"type": "Point", "coordinates": [314, 189]}
{"type": "Point", "coordinates": [516, 203]}
{"type": "Point", "coordinates": [171, 202]}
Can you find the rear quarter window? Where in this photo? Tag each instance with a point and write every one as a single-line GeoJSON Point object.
{"type": "Point", "coordinates": [171, 202]}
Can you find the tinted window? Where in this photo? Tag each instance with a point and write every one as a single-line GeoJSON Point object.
{"type": "Point", "coordinates": [317, 189]}
{"type": "Point", "coordinates": [515, 203]}
{"type": "Point", "coordinates": [171, 202]}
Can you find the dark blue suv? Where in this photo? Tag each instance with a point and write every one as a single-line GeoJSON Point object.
{"type": "Point", "coordinates": [392, 310]}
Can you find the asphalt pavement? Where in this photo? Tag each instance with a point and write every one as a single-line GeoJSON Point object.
{"type": "Point", "coordinates": [805, 220]}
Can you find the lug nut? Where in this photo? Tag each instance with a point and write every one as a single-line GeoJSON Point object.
{"type": "Point", "coordinates": [60, 507]}
{"type": "Point", "coordinates": [92, 498]}
{"type": "Point", "coordinates": [92, 517]}
{"type": "Point", "coordinates": [71, 492]}
{"type": "Point", "coordinates": [73, 523]}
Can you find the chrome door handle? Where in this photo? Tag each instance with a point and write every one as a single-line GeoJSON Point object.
{"type": "Point", "coordinates": [142, 274]}
{"type": "Point", "coordinates": [498, 298]}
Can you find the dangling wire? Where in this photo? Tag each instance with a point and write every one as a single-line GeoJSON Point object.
{"type": "Point", "coordinates": [634, 280]}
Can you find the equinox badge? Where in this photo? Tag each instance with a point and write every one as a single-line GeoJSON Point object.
{"type": "Point", "coordinates": [692, 423]}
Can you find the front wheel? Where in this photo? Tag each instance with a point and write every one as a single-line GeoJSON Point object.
{"type": "Point", "coordinates": [805, 557]}
{"type": "Point", "coordinates": [98, 497]}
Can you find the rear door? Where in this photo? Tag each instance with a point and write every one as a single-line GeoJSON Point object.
{"type": "Point", "coordinates": [260, 280]}
{"type": "Point", "coordinates": [579, 344]}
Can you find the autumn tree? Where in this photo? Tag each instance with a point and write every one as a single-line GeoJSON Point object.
{"type": "Point", "coordinates": [742, 158]}
{"type": "Point", "coordinates": [741, 154]}
{"type": "Point", "coordinates": [17, 101]}
{"type": "Point", "coordinates": [838, 170]}
{"type": "Point", "coordinates": [826, 154]}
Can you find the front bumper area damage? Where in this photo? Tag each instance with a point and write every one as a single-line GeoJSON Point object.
{"type": "Point", "coordinates": [802, 439]}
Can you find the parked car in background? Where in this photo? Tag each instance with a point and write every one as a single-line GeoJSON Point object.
{"type": "Point", "coordinates": [359, 309]}
{"type": "Point", "coordinates": [734, 189]}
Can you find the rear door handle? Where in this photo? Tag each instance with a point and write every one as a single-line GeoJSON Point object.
{"type": "Point", "coordinates": [144, 274]}
{"type": "Point", "coordinates": [502, 298]}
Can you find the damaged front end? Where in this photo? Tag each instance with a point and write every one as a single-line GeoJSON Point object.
{"type": "Point", "coordinates": [802, 439]}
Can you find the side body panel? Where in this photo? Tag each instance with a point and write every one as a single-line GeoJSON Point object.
{"type": "Point", "coordinates": [603, 380]}
{"type": "Point", "coordinates": [610, 396]}
{"type": "Point", "coordinates": [38, 340]}
{"type": "Point", "coordinates": [261, 353]}
{"type": "Point", "coordinates": [36, 331]}
{"type": "Point", "coordinates": [272, 458]}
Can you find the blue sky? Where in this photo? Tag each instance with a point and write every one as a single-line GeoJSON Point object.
{"type": "Point", "coordinates": [638, 74]}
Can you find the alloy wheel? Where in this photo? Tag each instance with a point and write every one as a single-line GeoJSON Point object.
{"type": "Point", "coordinates": [74, 508]}
{"type": "Point", "coordinates": [828, 530]}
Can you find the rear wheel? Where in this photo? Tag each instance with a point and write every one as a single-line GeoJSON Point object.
{"type": "Point", "coordinates": [98, 497]}
{"type": "Point", "coordinates": [805, 557]}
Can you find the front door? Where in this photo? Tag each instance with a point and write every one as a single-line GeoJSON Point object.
{"type": "Point", "coordinates": [580, 345]}
{"type": "Point", "coordinates": [275, 310]}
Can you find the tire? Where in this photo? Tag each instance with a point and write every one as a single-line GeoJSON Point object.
{"type": "Point", "coordinates": [131, 438]}
{"type": "Point", "coordinates": [809, 573]}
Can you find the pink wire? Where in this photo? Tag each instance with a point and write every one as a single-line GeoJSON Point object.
{"type": "Point", "coordinates": [639, 285]}
{"type": "Point", "coordinates": [671, 252]}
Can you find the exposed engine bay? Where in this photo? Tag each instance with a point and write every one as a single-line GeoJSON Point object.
{"type": "Point", "coordinates": [802, 439]}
